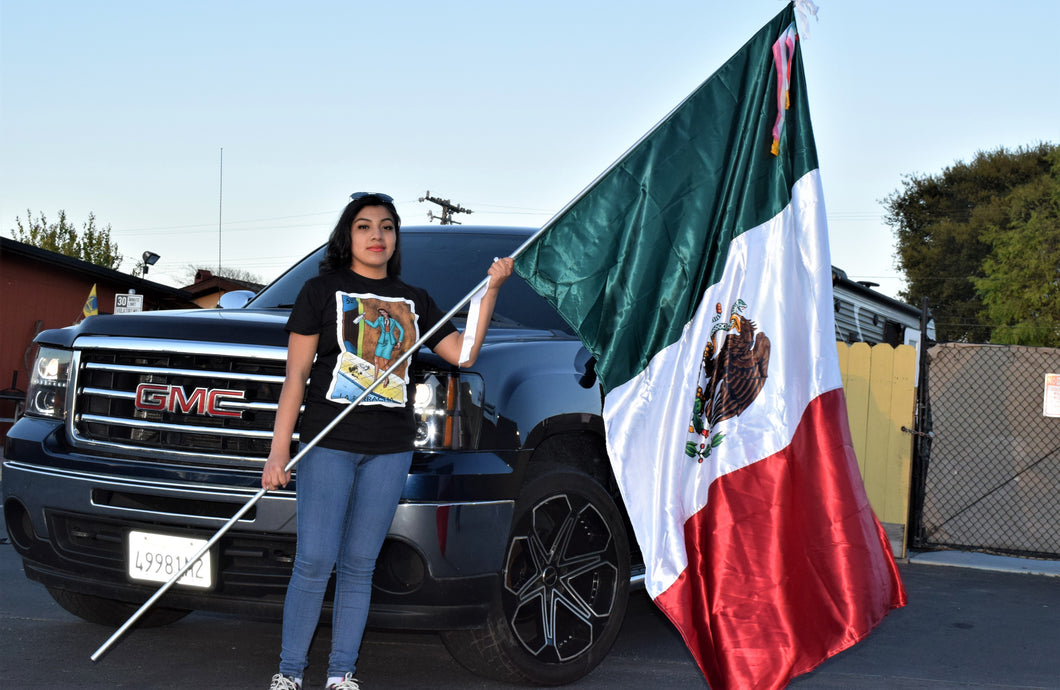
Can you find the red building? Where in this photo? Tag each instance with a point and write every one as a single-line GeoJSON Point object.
{"type": "Point", "coordinates": [42, 290]}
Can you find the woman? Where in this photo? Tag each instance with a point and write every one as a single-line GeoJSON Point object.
{"type": "Point", "coordinates": [350, 482]}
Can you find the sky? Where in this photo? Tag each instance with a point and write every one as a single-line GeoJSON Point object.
{"type": "Point", "coordinates": [220, 132]}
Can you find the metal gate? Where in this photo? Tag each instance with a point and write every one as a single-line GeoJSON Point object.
{"type": "Point", "coordinates": [988, 478]}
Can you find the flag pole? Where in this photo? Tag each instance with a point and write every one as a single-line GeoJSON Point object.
{"type": "Point", "coordinates": [290, 466]}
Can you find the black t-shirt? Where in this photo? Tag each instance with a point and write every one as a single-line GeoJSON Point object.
{"type": "Point", "coordinates": [363, 325]}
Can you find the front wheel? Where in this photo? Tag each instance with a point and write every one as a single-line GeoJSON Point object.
{"type": "Point", "coordinates": [564, 586]}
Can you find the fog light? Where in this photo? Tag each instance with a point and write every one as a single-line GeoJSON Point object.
{"type": "Point", "coordinates": [19, 525]}
{"type": "Point", "coordinates": [400, 569]}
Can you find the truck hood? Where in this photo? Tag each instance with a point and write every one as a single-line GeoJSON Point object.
{"type": "Point", "coordinates": [258, 327]}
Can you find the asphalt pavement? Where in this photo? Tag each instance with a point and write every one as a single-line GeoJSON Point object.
{"type": "Point", "coordinates": [992, 623]}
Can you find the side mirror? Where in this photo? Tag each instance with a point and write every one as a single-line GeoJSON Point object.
{"type": "Point", "coordinates": [235, 299]}
{"type": "Point", "coordinates": [586, 364]}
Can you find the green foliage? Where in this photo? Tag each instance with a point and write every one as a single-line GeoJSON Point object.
{"type": "Point", "coordinates": [1020, 287]}
{"type": "Point", "coordinates": [91, 244]}
{"type": "Point", "coordinates": [946, 227]}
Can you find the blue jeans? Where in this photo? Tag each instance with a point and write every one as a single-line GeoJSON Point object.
{"type": "Point", "coordinates": [346, 502]}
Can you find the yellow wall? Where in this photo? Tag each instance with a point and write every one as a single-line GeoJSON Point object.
{"type": "Point", "coordinates": [878, 382]}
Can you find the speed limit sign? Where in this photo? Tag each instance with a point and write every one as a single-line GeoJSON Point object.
{"type": "Point", "coordinates": [124, 303]}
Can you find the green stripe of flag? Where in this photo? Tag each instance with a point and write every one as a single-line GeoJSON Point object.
{"type": "Point", "coordinates": [628, 262]}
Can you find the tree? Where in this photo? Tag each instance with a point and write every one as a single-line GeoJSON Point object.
{"type": "Point", "coordinates": [91, 244]}
{"type": "Point", "coordinates": [1020, 287]}
{"type": "Point", "coordinates": [942, 225]}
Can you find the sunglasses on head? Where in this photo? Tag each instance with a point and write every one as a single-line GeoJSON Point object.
{"type": "Point", "coordinates": [379, 195]}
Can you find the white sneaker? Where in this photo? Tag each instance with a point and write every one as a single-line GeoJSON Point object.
{"type": "Point", "coordinates": [282, 682]}
{"type": "Point", "coordinates": [347, 683]}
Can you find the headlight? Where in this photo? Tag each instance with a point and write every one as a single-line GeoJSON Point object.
{"type": "Point", "coordinates": [46, 395]}
{"type": "Point", "coordinates": [448, 408]}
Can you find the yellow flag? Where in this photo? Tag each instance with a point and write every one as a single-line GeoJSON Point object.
{"type": "Point", "coordinates": [91, 307]}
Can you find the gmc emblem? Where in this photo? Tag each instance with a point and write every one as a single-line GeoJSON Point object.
{"type": "Point", "coordinates": [203, 401]}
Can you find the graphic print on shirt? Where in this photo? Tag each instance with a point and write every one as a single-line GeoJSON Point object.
{"type": "Point", "coordinates": [372, 332]}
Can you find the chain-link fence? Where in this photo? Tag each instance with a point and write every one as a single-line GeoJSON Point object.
{"type": "Point", "coordinates": [991, 480]}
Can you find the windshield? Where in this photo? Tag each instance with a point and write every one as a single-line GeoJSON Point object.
{"type": "Point", "coordinates": [448, 264]}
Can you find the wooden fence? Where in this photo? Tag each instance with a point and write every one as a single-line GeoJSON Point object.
{"type": "Point", "coordinates": [879, 385]}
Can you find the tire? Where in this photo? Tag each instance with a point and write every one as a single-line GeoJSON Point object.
{"type": "Point", "coordinates": [111, 612]}
{"type": "Point", "coordinates": [563, 589]}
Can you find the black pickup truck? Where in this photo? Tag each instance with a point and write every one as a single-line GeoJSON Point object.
{"type": "Point", "coordinates": [144, 433]}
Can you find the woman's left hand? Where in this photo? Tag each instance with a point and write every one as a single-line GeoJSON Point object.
{"type": "Point", "coordinates": [500, 271]}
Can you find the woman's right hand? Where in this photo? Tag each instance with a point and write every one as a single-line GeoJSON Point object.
{"type": "Point", "coordinates": [301, 349]}
{"type": "Point", "coordinates": [273, 474]}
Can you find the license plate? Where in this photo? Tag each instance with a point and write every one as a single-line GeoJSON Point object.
{"type": "Point", "coordinates": [157, 557]}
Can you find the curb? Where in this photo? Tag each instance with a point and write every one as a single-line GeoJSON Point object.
{"type": "Point", "coordinates": [985, 561]}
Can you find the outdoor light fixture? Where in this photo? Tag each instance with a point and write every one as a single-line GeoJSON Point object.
{"type": "Point", "coordinates": [150, 258]}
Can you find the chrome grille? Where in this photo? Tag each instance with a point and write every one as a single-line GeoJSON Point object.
{"type": "Point", "coordinates": [192, 422]}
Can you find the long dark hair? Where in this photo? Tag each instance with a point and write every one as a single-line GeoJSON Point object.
{"type": "Point", "coordinates": [339, 254]}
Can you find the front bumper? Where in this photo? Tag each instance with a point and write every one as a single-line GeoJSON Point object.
{"type": "Point", "coordinates": [437, 570]}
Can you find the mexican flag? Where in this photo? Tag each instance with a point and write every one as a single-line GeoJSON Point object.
{"type": "Point", "coordinates": [696, 271]}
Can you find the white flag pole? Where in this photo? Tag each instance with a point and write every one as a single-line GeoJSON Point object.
{"type": "Point", "coordinates": [323, 432]}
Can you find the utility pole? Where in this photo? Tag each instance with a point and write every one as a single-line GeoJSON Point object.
{"type": "Point", "coordinates": [220, 206]}
{"type": "Point", "coordinates": [448, 209]}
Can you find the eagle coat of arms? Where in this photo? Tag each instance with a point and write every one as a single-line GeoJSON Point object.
{"type": "Point", "coordinates": [730, 378]}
